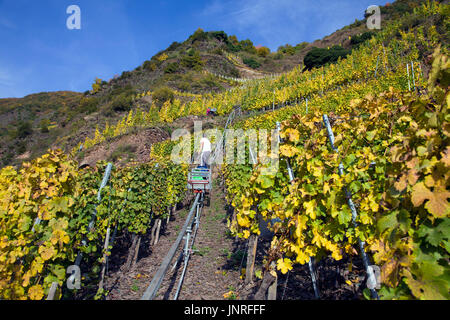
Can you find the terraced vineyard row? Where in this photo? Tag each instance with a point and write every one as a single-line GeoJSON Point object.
{"type": "Point", "coordinates": [52, 216]}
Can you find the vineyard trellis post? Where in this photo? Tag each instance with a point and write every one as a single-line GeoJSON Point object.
{"type": "Point", "coordinates": [37, 221]}
{"type": "Point", "coordinates": [109, 242]}
{"type": "Point", "coordinates": [79, 257]}
{"type": "Point", "coordinates": [369, 269]}
{"type": "Point", "coordinates": [105, 256]}
{"type": "Point", "coordinates": [412, 71]}
{"type": "Point", "coordinates": [251, 257]}
{"type": "Point", "coordinates": [409, 81]}
{"type": "Point", "coordinates": [272, 290]}
{"type": "Point", "coordinates": [311, 261]}
{"type": "Point", "coordinates": [273, 102]}
{"type": "Point", "coordinates": [376, 69]}
{"type": "Point", "coordinates": [252, 241]}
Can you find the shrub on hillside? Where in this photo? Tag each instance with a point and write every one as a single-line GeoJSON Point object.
{"type": "Point", "coordinates": [199, 35]}
{"type": "Point", "coordinates": [184, 85]}
{"type": "Point", "coordinates": [263, 51]}
{"type": "Point", "coordinates": [173, 46]}
{"type": "Point", "coordinates": [247, 45]}
{"type": "Point", "coordinates": [44, 124]}
{"type": "Point", "coordinates": [233, 40]}
{"type": "Point", "coordinates": [301, 46]}
{"type": "Point", "coordinates": [88, 104]}
{"type": "Point", "coordinates": [171, 68]}
{"type": "Point", "coordinates": [219, 35]}
{"type": "Point", "coordinates": [24, 129]}
{"type": "Point", "coordinates": [318, 57]}
{"type": "Point", "coordinates": [96, 86]}
{"type": "Point", "coordinates": [252, 63]}
{"type": "Point", "coordinates": [162, 95]}
{"type": "Point", "coordinates": [278, 56]}
{"type": "Point", "coordinates": [356, 24]}
{"type": "Point", "coordinates": [217, 51]}
{"type": "Point", "coordinates": [210, 82]}
{"type": "Point", "coordinates": [162, 57]}
{"type": "Point", "coordinates": [122, 103]}
{"type": "Point", "coordinates": [192, 60]}
{"type": "Point", "coordinates": [157, 59]}
{"type": "Point", "coordinates": [358, 39]}
{"type": "Point", "coordinates": [234, 47]}
{"type": "Point", "coordinates": [125, 75]}
{"type": "Point", "coordinates": [121, 98]}
{"type": "Point", "coordinates": [7, 157]}
{"type": "Point", "coordinates": [21, 147]}
{"type": "Point", "coordinates": [149, 65]}
{"type": "Point", "coordinates": [234, 72]}
{"type": "Point", "coordinates": [287, 49]}
{"type": "Point", "coordinates": [233, 44]}
{"type": "Point", "coordinates": [398, 8]}
{"type": "Point", "coordinates": [412, 21]}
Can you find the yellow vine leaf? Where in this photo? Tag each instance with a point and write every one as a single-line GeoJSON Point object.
{"type": "Point", "coordinates": [60, 236]}
{"type": "Point", "coordinates": [326, 188]}
{"type": "Point", "coordinates": [387, 272]}
{"type": "Point", "coordinates": [310, 206]}
{"type": "Point", "coordinates": [292, 134]}
{"type": "Point", "coordinates": [37, 265]}
{"type": "Point", "coordinates": [26, 278]}
{"type": "Point", "coordinates": [302, 257]}
{"type": "Point", "coordinates": [437, 203]}
{"type": "Point", "coordinates": [284, 265]}
{"type": "Point", "coordinates": [301, 225]}
{"type": "Point", "coordinates": [243, 221]}
{"type": "Point", "coordinates": [47, 252]}
{"type": "Point", "coordinates": [36, 292]}
{"type": "Point", "coordinates": [288, 150]}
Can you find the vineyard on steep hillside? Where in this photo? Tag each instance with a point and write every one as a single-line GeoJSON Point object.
{"type": "Point", "coordinates": [383, 59]}
{"type": "Point", "coordinates": [363, 169]}
{"type": "Point", "coordinates": [52, 215]}
{"type": "Point", "coordinates": [390, 156]}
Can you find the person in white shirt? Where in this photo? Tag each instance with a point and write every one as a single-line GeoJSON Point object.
{"type": "Point", "coordinates": [205, 147]}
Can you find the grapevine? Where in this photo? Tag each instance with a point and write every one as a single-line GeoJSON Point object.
{"type": "Point", "coordinates": [394, 149]}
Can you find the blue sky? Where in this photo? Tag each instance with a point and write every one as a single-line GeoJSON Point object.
{"type": "Point", "coordinates": [38, 53]}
